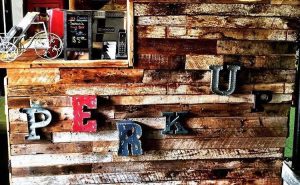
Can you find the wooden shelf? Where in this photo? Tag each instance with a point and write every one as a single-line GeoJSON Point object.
{"type": "Point", "coordinates": [64, 64]}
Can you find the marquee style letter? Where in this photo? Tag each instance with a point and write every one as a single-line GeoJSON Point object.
{"type": "Point", "coordinates": [78, 103]}
{"type": "Point", "coordinates": [129, 134]}
{"type": "Point", "coordinates": [173, 124]}
{"type": "Point", "coordinates": [215, 77]}
{"type": "Point", "coordinates": [32, 114]}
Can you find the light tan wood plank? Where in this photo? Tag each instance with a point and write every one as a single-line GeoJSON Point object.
{"type": "Point", "coordinates": [202, 62]}
{"type": "Point", "coordinates": [32, 76]}
{"type": "Point", "coordinates": [57, 159]}
{"type": "Point", "coordinates": [86, 89]}
{"type": "Point", "coordinates": [180, 99]}
{"type": "Point", "coordinates": [96, 178]}
{"type": "Point", "coordinates": [235, 22]}
{"type": "Point", "coordinates": [33, 149]}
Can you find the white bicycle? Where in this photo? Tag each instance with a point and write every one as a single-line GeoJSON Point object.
{"type": "Point", "coordinates": [15, 42]}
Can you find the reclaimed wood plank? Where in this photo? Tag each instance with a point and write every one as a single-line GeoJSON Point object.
{"type": "Point", "coordinates": [186, 143]}
{"type": "Point", "coordinates": [163, 76]}
{"type": "Point", "coordinates": [32, 149]}
{"type": "Point", "coordinates": [237, 22]}
{"type": "Point", "coordinates": [148, 166]}
{"type": "Point", "coordinates": [258, 76]}
{"type": "Point", "coordinates": [201, 89]}
{"type": "Point", "coordinates": [160, 61]}
{"type": "Point", "coordinates": [100, 75]}
{"type": "Point", "coordinates": [78, 63]}
{"type": "Point", "coordinates": [214, 1]}
{"type": "Point", "coordinates": [214, 143]}
{"type": "Point", "coordinates": [86, 89]}
{"type": "Point", "coordinates": [63, 137]}
{"type": "Point", "coordinates": [142, 9]}
{"type": "Point", "coordinates": [20, 161]}
{"type": "Point", "coordinates": [19, 138]}
{"type": "Point", "coordinates": [255, 47]}
{"type": "Point", "coordinates": [51, 101]}
{"type": "Point", "coordinates": [224, 33]}
{"type": "Point", "coordinates": [18, 102]}
{"type": "Point", "coordinates": [220, 133]}
{"type": "Point", "coordinates": [95, 179]}
{"type": "Point", "coordinates": [154, 176]}
{"type": "Point", "coordinates": [292, 2]}
{"type": "Point", "coordinates": [18, 127]}
{"type": "Point", "coordinates": [15, 65]}
{"type": "Point", "coordinates": [234, 132]}
{"type": "Point", "coordinates": [201, 110]}
{"type": "Point", "coordinates": [58, 114]}
{"type": "Point", "coordinates": [195, 131]}
{"type": "Point", "coordinates": [180, 99]}
{"type": "Point", "coordinates": [235, 122]}
{"type": "Point", "coordinates": [267, 133]}
{"type": "Point", "coordinates": [282, 98]}
{"type": "Point", "coordinates": [272, 110]}
{"type": "Point", "coordinates": [245, 76]}
{"type": "Point", "coordinates": [155, 155]}
{"type": "Point", "coordinates": [186, 165]}
{"type": "Point", "coordinates": [53, 170]}
{"type": "Point", "coordinates": [289, 87]}
{"type": "Point", "coordinates": [33, 76]}
{"type": "Point", "coordinates": [151, 155]}
{"type": "Point", "coordinates": [175, 46]}
{"type": "Point", "coordinates": [151, 31]}
{"type": "Point", "coordinates": [181, 89]}
{"type": "Point", "coordinates": [202, 62]}
{"type": "Point", "coordinates": [41, 101]}
{"type": "Point", "coordinates": [162, 20]}
{"type": "Point", "coordinates": [243, 9]}
{"type": "Point", "coordinates": [55, 126]}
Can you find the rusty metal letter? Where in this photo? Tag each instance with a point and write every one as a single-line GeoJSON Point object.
{"type": "Point", "coordinates": [215, 78]}
{"type": "Point", "coordinates": [129, 135]}
{"type": "Point", "coordinates": [78, 103]}
{"type": "Point", "coordinates": [173, 124]}
{"type": "Point", "coordinates": [32, 115]}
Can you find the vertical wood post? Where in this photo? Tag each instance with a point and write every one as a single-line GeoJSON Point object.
{"type": "Point", "coordinates": [71, 4]}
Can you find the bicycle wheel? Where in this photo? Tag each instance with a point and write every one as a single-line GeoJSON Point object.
{"type": "Point", "coordinates": [47, 45]}
{"type": "Point", "coordinates": [8, 52]}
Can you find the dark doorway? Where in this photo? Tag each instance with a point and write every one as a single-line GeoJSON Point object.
{"type": "Point", "coordinates": [3, 131]}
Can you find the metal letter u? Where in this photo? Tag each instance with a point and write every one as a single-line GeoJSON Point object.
{"type": "Point", "coordinates": [215, 79]}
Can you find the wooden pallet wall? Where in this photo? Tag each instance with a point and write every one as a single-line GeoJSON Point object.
{"type": "Point", "coordinates": [176, 42]}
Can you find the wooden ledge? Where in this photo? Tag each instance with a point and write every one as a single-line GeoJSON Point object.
{"type": "Point", "coordinates": [64, 64]}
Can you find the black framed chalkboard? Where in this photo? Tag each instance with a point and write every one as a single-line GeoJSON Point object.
{"type": "Point", "coordinates": [78, 32]}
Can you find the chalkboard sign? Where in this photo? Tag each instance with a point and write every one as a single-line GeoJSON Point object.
{"type": "Point", "coordinates": [78, 32]}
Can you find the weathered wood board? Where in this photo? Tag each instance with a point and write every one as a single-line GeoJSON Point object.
{"type": "Point", "coordinates": [176, 42]}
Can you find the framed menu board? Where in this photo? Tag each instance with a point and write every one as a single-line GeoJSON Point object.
{"type": "Point", "coordinates": [78, 32]}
